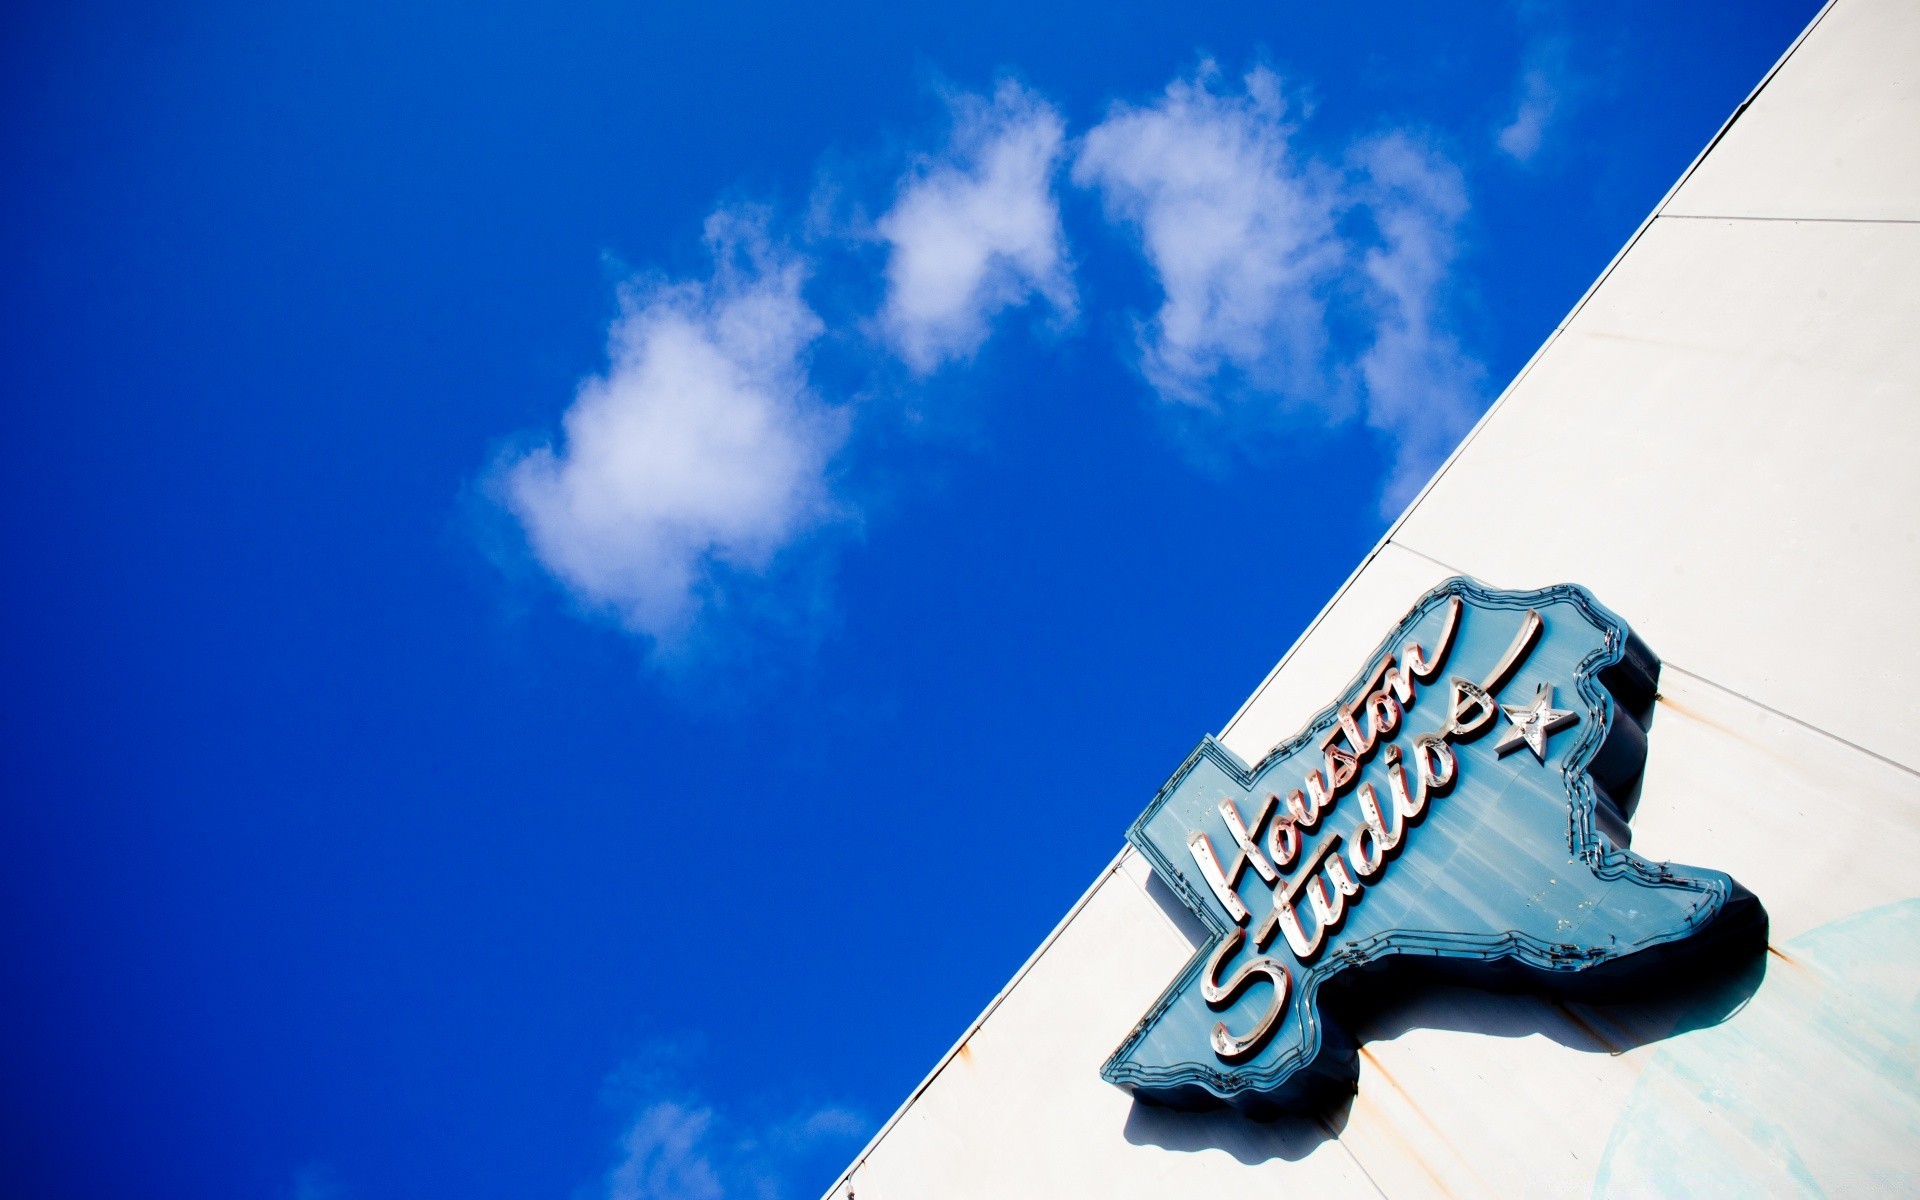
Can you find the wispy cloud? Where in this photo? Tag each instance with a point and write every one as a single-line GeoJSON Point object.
{"type": "Point", "coordinates": [1238, 229]}
{"type": "Point", "coordinates": [829, 1122]}
{"type": "Point", "coordinates": [1294, 291]}
{"type": "Point", "coordinates": [975, 229]}
{"type": "Point", "coordinates": [1541, 93]}
{"type": "Point", "coordinates": [701, 453]}
{"type": "Point", "coordinates": [666, 1155]}
{"type": "Point", "coordinates": [1422, 389]}
{"type": "Point", "coordinates": [680, 1147]}
{"type": "Point", "coordinates": [1299, 291]}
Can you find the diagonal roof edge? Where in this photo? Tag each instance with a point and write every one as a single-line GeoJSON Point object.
{"type": "Point", "coordinates": [1552, 337]}
{"type": "Point", "coordinates": [834, 1191]}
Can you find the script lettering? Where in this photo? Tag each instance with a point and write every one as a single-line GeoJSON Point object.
{"type": "Point", "coordinates": [1219, 995]}
{"type": "Point", "coordinates": [1311, 900]}
{"type": "Point", "coordinates": [1325, 884]}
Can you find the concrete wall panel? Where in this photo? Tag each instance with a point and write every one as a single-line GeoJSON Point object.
{"type": "Point", "coordinates": [1721, 446]}
{"type": "Point", "coordinates": [1834, 135]}
{"type": "Point", "coordinates": [1814, 828]}
{"type": "Point", "coordinates": [1520, 1095]}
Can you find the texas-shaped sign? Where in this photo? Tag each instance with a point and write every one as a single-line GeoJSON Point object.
{"type": "Point", "coordinates": [1461, 808]}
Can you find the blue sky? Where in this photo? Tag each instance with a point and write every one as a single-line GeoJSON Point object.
{"type": "Point", "coordinates": [587, 581]}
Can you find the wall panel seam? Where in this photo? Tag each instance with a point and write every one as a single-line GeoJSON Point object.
{"type": "Point", "coordinates": [1792, 220]}
{"type": "Point", "coordinates": [1669, 665]}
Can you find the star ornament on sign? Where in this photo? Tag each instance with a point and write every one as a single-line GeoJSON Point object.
{"type": "Point", "coordinates": [1392, 834]}
{"type": "Point", "coordinates": [1533, 723]}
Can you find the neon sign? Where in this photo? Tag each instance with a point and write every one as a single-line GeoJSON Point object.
{"type": "Point", "coordinates": [1462, 807]}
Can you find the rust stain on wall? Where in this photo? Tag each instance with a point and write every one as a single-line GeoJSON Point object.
{"type": "Point", "coordinates": [1424, 1119]}
{"type": "Point", "coordinates": [1764, 746]}
{"type": "Point", "coordinates": [1784, 957]}
{"type": "Point", "coordinates": [1408, 1152]}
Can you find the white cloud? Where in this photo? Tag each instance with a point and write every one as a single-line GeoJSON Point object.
{"type": "Point", "coordinates": [830, 1122]}
{"type": "Point", "coordinates": [691, 469]}
{"type": "Point", "coordinates": [1422, 389]}
{"type": "Point", "coordinates": [677, 1150]}
{"type": "Point", "coordinates": [1278, 304]}
{"type": "Point", "coordinates": [1520, 138]}
{"type": "Point", "coordinates": [665, 1157]}
{"type": "Point", "coordinates": [976, 230]}
{"type": "Point", "coordinates": [1238, 229]}
{"type": "Point", "coordinates": [1542, 91]}
{"type": "Point", "coordinates": [701, 451]}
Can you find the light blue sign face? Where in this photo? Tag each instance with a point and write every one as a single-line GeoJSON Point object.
{"type": "Point", "coordinates": [1460, 806]}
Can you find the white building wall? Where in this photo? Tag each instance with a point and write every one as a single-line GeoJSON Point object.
{"type": "Point", "coordinates": [1740, 392]}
